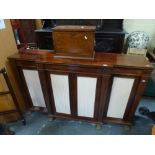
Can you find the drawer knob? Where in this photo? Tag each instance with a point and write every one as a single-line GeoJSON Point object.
{"type": "Point", "coordinates": [143, 81]}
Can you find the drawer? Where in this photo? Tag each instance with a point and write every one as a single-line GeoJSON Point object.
{"type": "Point", "coordinates": [127, 71]}
{"type": "Point", "coordinates": [74, 68]}
{"type": "Point", "coordinates": [26, 64]}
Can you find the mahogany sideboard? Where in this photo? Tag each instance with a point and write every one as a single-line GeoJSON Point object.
{"type": "Point", "coordinates": [106, 89]}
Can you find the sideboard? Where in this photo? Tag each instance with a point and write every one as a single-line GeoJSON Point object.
{"type": "Point", "coordinates": [106, 89]}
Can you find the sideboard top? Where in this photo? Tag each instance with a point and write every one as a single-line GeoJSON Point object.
{"type": "Point", "coordinates": [100, 59]}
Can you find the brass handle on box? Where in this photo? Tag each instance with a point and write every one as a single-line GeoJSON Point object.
{"type": "Point", "coordinates": [85, 37]}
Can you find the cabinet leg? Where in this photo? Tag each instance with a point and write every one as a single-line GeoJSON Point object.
{"type": "Point", "coordinates": [127, 127]}
{"type": "Point", "coordinates": [23, 121]}
{"type": "Point", "coordinates": [98, 126]}
{"type": "Point", "coordinates": [51, 119]}
{"type": "Point", "coordinates": [29, 112]}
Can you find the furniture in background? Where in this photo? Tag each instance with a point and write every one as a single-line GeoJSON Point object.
{"type": "Point", "coordinates": [137, 43]}
{"type": "Point", "coordinates": [44, 38]}
{"type": "Point", "coordinates": [106, 89]}
{"type": "Point", "coordinates": [5, 130]}
{"type": "Point", "coordinates": [150, 88]}
{"type": "Point", "coordinates": [11, 92]}
{"type": "Point", "coordinates": [24, 32]}
{"type": "Point", "coordinates": [109, 34]}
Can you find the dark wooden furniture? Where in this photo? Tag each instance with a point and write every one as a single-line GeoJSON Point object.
{"type": "Point", "coordinates": [100, 24]}
{"type": "Point", "coordinates": [74, 41]}
{"type": "Point", "coordinates": [110, 41]}
{"type": "Point", "coordinates": [109, 34]}
{"type": "Point", "coordinates": [105, 89]}
{"type": "Point", "coordinates": [25, 28]}
{"type": "Point", "coordinates": [44, 39]}
{"type": "Point", "coordinates": [11, 92]}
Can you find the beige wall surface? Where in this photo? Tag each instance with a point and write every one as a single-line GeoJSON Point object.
{"type": "Point", "coordinates": [38, 23]}
{"type": "Point", "coordinates": [7, 48]}
{"type": "Point", "coordinates": [7, 43]}
{"type": "Point", "coordinates": [147, 25]}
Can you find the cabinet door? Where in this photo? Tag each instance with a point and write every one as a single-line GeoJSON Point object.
{"type": "Point", "coordinates": [60, 89]}
{"type": "Point", "coordinates": [34, 87]}
{"type": "Point", "coordinates": [73, 95]}
{"type": "Point", "coordinates": [74, 91]}
{"type": "Point", "coordinates": [86, 93]}
{"type": "Point", "coordinates": [119, 97]}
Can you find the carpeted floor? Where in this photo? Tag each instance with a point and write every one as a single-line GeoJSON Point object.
{"type": "Point", "coordinates": [39, 124]}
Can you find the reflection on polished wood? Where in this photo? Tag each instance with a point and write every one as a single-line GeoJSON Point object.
{"type": "Point", "coordinates": [110, 59]}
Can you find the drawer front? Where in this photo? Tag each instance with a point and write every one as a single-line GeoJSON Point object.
{"type": "Point", "coordinates": [74, 68]}
{"type": "Point", "coordinates": [26, 64]}
{"type": "Point", "coordinates": [127, 71]}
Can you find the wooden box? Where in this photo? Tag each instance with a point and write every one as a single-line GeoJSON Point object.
{"type": "Point", "coordinates": [74, 41]}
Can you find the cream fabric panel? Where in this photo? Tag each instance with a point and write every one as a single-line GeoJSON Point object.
{"type": "Point", "coordinates": [86, 96]}
{"type": "Point", "coordinates": [120, 93]}
{"type": "Point", "coordinates": [34, 87]}
{"type": "Point", "coordinates": [60, 86]}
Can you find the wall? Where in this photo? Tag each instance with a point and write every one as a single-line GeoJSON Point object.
{"type": "Point", "coordinates": [147, 25]}
{"type": "Point", "coordinates": [7, 43]}
{"type": "Point", "coordinates": [7, 48]}
{"type": "Point", "coordinates": [38, 23]}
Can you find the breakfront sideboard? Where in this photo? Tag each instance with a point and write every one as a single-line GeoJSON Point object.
{"type": "Point", "coordinates": [106, 89]}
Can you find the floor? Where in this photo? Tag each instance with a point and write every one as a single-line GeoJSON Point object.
{"type": "Point", "coordinates": [39, 124]}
